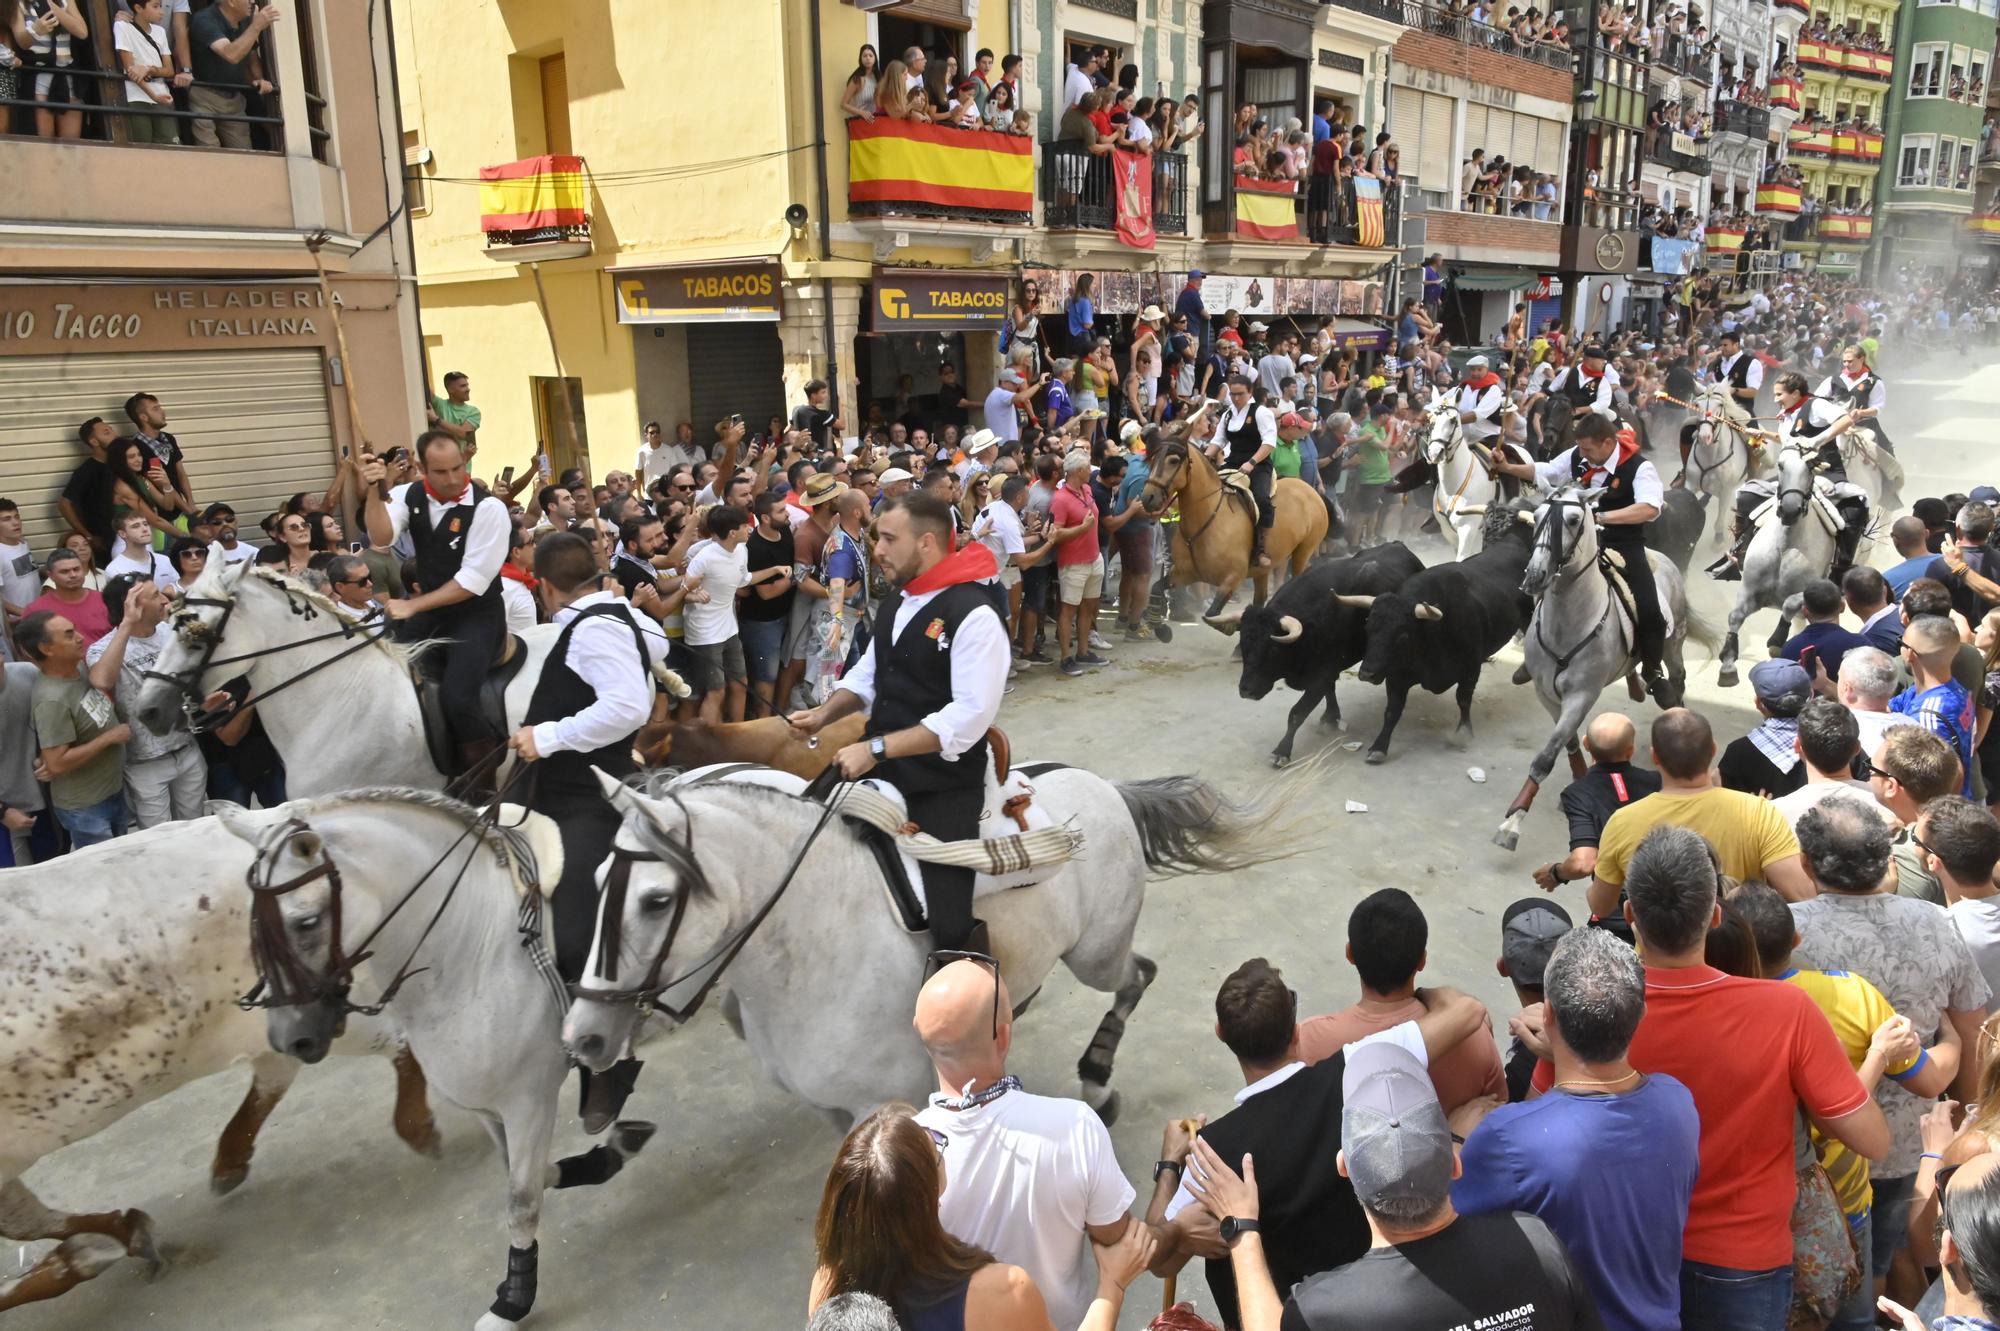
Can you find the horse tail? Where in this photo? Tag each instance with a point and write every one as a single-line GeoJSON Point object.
{"type": "Point", "coordinates": [1186, 825]}
{"type": "Point", "coordinates": [1703, 629]}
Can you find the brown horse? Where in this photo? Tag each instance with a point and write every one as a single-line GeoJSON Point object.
{"type": "Point", "coordinates": [767, 740]}
{"type": "Point", "coordinates": [1212, 541]}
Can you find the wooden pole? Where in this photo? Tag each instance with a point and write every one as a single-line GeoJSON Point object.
{"type": "Point", "coordinates": [347, 376]}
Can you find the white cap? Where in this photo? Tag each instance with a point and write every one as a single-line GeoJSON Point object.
{"type": "Point", "coordinates": [1129, 431]}
{"type": "Point", "coordinates": [1478, 363]}
{"type": "Point", "coordinates": [894, 474]}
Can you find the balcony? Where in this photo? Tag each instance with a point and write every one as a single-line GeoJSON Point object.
{"type": "Point", "coordinates": [1077, 191]}
{"type": "Point", "coordinates": [1362, 214]}
{"type": "Point", "coordinates": [1984, 227]}
{"type": "Point", "coordinates": [1447, 20]}
{"type": "Point", "coordinates": [1814, 141]}
{"type": "Point", "coordinates": [1787, 94]}
{"type": "Point", "coordinates": [1680, 58]}
{"type": "Point", "coordinates": [535, 209]}
{"type": "Point", "coordinates": [1743, 120]}
{"type": "Point", "coordinates": [906, 168]}
{"type": "Point", "coordinates": [1846, 227]}
{"type": "Point", "coordinates": [1796, 6]}
{"type": "Point", "coordinates": [1678, 152]}
{"type": "Point", "coordinates": [1857, 144]}
{"type": "Point", "coordinates": [1779, 200]}
{"type": "Point", "coordinates": [1832, 59]}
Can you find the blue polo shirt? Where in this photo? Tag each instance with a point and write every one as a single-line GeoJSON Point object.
{"type": "Point", "coordinates": [1830, 642]}
{"type": "Point", "coordinates": [1900, 576]}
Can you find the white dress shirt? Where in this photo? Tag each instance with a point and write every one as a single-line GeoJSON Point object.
{"type": "Point", "coordinates": [979, 662]}
{"type": "Point", "coordinates": [1752, 378]}
{"type": "Point", "coordinates": [1646, 486]}
{"type": "Point", "coordinates": [1232, 419]}
{"type": "Point", "coordinates": [1484, 404]}
{"type": "Point", "coordinates": [603, 655]}
{"type": "Point", "coordinates": [485, 542]}
{"type": "Point", "coordinates": [1607, 388]}
{"type": "Point", "coordinates": [1846, 385]}
{"type": "Point", "coordinates": [520, 605]}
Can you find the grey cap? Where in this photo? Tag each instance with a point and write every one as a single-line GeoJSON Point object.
{"type": "Point", "coordinates": [1393, 1130]}
{"type": "Point", "coordinates": [1781, 685]}
{"type": "Point", "coordinates": [1529, 931]}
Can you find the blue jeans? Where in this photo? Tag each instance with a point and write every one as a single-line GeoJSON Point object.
{"type": "Point", "coordinates": [1858, 1312]}
{"type": "Point", "coordinates": [1719, 1298]}
{"type": "Point", "coordinates": [95, 822]}
{"type": "Point", "coordinates": [1891, 1217]}
{"type": "Point", "coordinates": [225, 785]}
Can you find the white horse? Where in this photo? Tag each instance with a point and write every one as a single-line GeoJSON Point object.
{"type": "Point", "coordinates": [1876, 472]}
{"type": "Point", "coordinates": [1792, 547]}
{"type": "Point", "coordinates": [335, 695]}
{"type": "Point", "coordinates": [1465, 484]}
{"type": "Point", "coordinates": [1724, 454]}
{"type": "Point", "coordinates": [119, 984]}
{"type": "Point", "coordinates": [425, 909]}
{"type": "Point", "coordinates": [825, 979]}
{"type": "Point", "coordinates": [1580, 639]}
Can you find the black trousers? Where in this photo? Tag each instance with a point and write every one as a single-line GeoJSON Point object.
{"type": "Point", "coordinates": [951, 814]}
{"type": "Point", "coordinates": [1651, 627]}
{"type": "Point", "coordinates": [1262, 477]}
{"type": "Point", "coordinates": [473, 633]}
{"type": "Point", "coordinates": [588, 824]}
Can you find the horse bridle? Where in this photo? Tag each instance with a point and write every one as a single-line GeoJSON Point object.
{"type": "Point", "coordinates": [1805, 494]}
{"type": "Point", "coordinates": [1458, 435]}
{"type": "Point", "coordinates": [1565, 550]}
{"type": "Point", "coordinates": [187, 682]}
{"type": "Point", "coordinates": [646, 996]}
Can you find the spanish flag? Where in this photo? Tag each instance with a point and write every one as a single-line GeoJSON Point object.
{"type": "Point", "coordinates": [935, 166]}
{"type": "Point", "coordinates": [533, 193]}
{"type": "Point", "coordinates": [1264, 209]}
{"type": "Point", "coordinates": [1723, 238]}
{"type": "Point", "coordinates": [1781, 199]}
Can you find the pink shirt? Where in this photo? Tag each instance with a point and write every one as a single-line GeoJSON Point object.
{"type": "Point", "coordinates": [1067, 509]}
{"type": "Point", "coordinates": [92, 620]}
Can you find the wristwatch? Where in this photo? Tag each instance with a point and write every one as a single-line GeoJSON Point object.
{"type": "Point", "coordinates": [1162, 1166]}
{"type": "Point", "coordinates": [879, 747]}
{"type": "Point", "coordinates": [1234, 1228]}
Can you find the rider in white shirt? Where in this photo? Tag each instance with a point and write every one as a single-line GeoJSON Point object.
{"type": "Point", "coordinates": [1480, 400]}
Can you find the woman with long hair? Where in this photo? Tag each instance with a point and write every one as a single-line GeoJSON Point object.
{"type": "Point", "coordinates": [858, 99]}
{"type": "Point", "coordinates": [295, 538]}
{"type": "Point", "coordinates": [93, 576]}
{"type": "Point", "coordinates": [131, 492]}
{"type": "Point", "coordinates": [1082, 315]}
{"type": "Point", "coordinates": [1024, 329]}
{"type": "Point", "coordinates": [324, 532]}
{"type": "Point", "coordinates": [878, 1233]}
{"type": "Point", "coordinates": [892, 94]}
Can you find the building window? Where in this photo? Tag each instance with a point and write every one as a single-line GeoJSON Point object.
{"type": "Point", "coordinates": [1927, 65]}
{"type": "Point", "coordinates": [1967, 151]}
{"type": "Point", "coordinates": [1915, 171]}
{"type": "Point", "coordinates": [1947, 151]}
{"type": "Point", "coordinates": [416, 179]}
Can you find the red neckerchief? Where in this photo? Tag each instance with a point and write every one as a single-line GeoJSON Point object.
{"type": "Point", "coordinates": [1481, 383]}
{"type": "Point", "coordinates": [1628, 445]}
{"type": "Point", "coordinates": [458, 498]}
{"type": "Point", "coordinates": [1587, 372]}
{"type": "Point", "coordinates": [513, 573]}
{"type": "Point", "coordinates": [971, 563]}
{"type": "Point", "coordinates": [1865, 372]}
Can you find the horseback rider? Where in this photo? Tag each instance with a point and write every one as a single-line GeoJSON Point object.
{"type": "Point", "coordinates": [1249, 434]}
{"type": "Point", "coordinates": [1589, 385]}
{"type": "Point", "coordinates": [1482, 406]}
{"type": "Point", "coordinates": [1814, 424]}
{"type": "Point", "coordinates": [1857, 386]}
{"type": "Point", "coordinates": [1608, 455]}
{"type": "Point", "coordinates": [932, 678]}
{"type": "Point", "coordinates": [595, 691]}
{"type": "Point", "coordinates": [461, 534]}
{"type": "Point", "coordinates": [1744, 374]}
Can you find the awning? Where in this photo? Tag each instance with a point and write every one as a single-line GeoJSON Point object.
{"type": "Point", "coordinates": [1359, 335]}
{"type": "Point", "coordinates": [1493, 279]}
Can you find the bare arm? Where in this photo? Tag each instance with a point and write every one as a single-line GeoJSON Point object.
{"type": "Point", "coordinates": [1450, 1018]}
{"type": "Point", "coordinates": [1789, 877]}
{"type": "Point", "coordinates": [1941, 1066]}
{"type": "Point", "coordinates": [1966, 1023]}
{"type": "Point", "coordinates": [245, 46]}
{"type": "Point", "coordinates": [1864, 1131]}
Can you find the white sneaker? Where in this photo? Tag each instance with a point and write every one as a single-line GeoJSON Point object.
{"type": "Point", "coordinates": [1097, 641]}
{"type": "Point", "coordinates": [1015, 666]}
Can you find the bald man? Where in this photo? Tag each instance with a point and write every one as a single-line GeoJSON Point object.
{"type": "Point", "coordinates": [1610, 784]}
{"type": "Point", "coordinates": [1030, 1178]}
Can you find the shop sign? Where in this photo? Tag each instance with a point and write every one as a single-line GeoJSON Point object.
{"type": "Point", "coordinates": [35, 318]}
{"type": "Point", "coordinates": [704, 293]}
{"type": "Point", "coordinates": [939, 302]}
{"type": "Point", "coordinates": [1547, 286]}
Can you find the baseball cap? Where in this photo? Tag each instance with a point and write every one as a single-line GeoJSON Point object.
{"type": "Point", "coordinates": [1984, 494]}
{"type": "Point", "coordinates": [894, 474]}
{"type": "Point", "coordinates": [1781, 685]}
{"type": "Point", "coordinates": [1195, 274]}
{"type": "Point", "coordinates": [1529, 931]}
{"type": "Point", "coordinates": [1393, 1132]}
{"type": "Point", "coordinates": [1260, 328]}
{"type": "Point", "coordinates": [1291, 420]}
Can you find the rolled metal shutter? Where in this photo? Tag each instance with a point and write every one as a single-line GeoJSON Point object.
{"type": "Point", "coordinates": [1543, 310]}
{"type": "Point", "coordinates": [254, 423]}
{"type": "Point", "coordinates": [735, 367]}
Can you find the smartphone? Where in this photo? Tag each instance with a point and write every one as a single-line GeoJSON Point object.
{"type": "Point", "coordinates": [355, 547]}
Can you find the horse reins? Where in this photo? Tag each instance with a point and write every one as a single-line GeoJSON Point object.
{"type": "Point", "coordinates": [1565, 551]}
{"type": "Point", "coordinates": [647, 994]}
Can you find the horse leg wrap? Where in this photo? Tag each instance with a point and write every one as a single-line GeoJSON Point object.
{"type": "Point", "coordinates": [1095, 1065]}
{"type": "Point", "coordinates": [602, 1161]}
{"type": "Point", "coordinates": [515, 1296]}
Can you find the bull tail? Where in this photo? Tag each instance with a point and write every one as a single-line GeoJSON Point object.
{"type": "Point", "coordinates": [1188, 826]}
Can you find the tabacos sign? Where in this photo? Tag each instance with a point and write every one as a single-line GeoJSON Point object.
{"type": "Point", "coordinates": [939, 302]}
{"type": "Point", "coordinates": [709, 293]}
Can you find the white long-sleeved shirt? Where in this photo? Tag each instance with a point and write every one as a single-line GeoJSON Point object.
{"type": "Point", "coordinates": [485, 541]}
{"type": "Point", "coordinates": [1876, 396]}
{"type": "Point", "coordinates": [1485, 405]}
{"type": "Point", "coordinates": [1752, 378]}
{"type": "Point", "coordinates": [1232, 419]}
{"type": "Point", "coordinates": [520, 605]}
{"type": "Point", "coordinates": [1607, 389]}
{"type": "Point", "coordinates": [979, 661]}
{"type": "Point", "coordinates": [1646, 486]}
{"type": "Point", "coordinates": [603, 655]}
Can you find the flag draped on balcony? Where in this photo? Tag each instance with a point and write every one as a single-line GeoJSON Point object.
{"type": "Point", "coordinates": [1784, 200]}
{"type": "Point", "coordinates": [1369, 230]}
{"type": "Point", "coordinates": [930, 168]}
{"type": "Point", "coordinates": [1724, 238]}
{"type": "Point", "coordinates": [1264, 209]}
{"type": "Point", "coordinates": [533, 193]}
{"type": "Point", "coordinates": [1132, 197]}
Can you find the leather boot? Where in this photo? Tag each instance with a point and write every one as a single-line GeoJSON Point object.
{"type": "Point", "coordinates": [478, 770]}
{"type": "Point", "coordinates": [1258, 558]}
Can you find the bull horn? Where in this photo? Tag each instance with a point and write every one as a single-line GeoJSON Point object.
{"type": "Point", "coordinates": [1354, 602]}
{"type": "Point", "coordinates": [1469, 511]}
{"type": "Point", "coordinates": [1289, 630]}
{"type": "Point", "coordinates": [1525, 517]}
{"type": "Point", "coordinates": [1228, 625]}
{"type": "Point", "coordinates": [1425, 610]}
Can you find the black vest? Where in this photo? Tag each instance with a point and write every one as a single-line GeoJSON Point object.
{"type": "Point", "coordinates": [913, 679]}
{"type": "Point", "coordinates": [1738, 374]}
{"type": "Point", "coordinates": [1244, 440]}
{"type": "Point", "coordinates": [1617, 494]}
{"type": "Point", "coordinates": [1307, 1213]}
{"type": "Point", "coordinates": [1581, 391]}
{"type": "Point", "coordinates": [560, 693]}
{"type": "Point", "coordinates": [1850, 398]}
{"type": "Point", "coordinates": [1826, 458]}
{"type": "Point", "coordinates": [441, 549]}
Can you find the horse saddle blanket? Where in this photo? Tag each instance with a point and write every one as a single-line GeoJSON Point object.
{"type": "Point", "coordinates": [492, 703]}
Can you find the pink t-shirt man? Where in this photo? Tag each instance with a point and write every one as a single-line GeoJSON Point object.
{"type": "Point", "coordinates": [1067, 509]}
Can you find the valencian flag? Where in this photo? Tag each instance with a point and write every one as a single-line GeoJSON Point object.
{"type": "Point", "coordinates": [1132, 197]}
{"type": "Point", "coordinates": [936, 166]}
{"type": "Point", "coordinates": [1369, 230]}
{"type": "Point", "coordinates": [1264, 209]}
{"type": "Point", "coordinates": [534, 193]}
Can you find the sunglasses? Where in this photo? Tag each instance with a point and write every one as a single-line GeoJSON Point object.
{"type": "Point", "coordinates": [1868, 769]}
{"type": "Point", "coordinates": [1921, 844]}
{"type": "Point", "coordinates": [937, 961]}
{"type": "Point", "coordinates": [365, 580]}
{"type": "Point", "coordinates": [939, 1140]}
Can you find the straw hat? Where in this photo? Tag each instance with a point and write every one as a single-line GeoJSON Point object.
{"type": "Point", "coordinates": [821, 488]}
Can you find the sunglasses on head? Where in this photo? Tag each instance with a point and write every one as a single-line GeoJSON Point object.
{"type": "Point", "coordinates": [937, 961]}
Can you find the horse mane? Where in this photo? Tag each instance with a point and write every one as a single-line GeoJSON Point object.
{"type": "Point", "coordinates": [507, 844]}
{"type": "Point", "coordinates": [228, 583]}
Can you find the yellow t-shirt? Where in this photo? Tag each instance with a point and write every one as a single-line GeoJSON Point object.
{"type": "Point", "coordinates": [1747, 832]}
{"type": "Point", "coordinates": [1854, 1008]}
{"type": "Point", "coordinates": [1538, 350]}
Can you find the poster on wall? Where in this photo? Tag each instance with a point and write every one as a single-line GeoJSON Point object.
{"type": "Point", "coordinates": [1245, 295]}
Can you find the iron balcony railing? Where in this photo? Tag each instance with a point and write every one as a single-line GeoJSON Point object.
{"type": "Point", "coordinates": [1455, 21]}
{"type": "Point", "coordinates": [1076, 190]}
{"type": "Point", "coordinates": [1751, 122]}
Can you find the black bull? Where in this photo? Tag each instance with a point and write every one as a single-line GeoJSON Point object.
{"type": "Point", "coordinates": [1306, 636]}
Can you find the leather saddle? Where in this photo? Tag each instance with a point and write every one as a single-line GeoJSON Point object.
{"type": "Point", "coordinates": [438, 738]}
{"type": "Point", "coordinates": [1236, 485]}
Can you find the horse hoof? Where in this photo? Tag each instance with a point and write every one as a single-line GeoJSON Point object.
{"type": "Point", "coordinates": [1506, 838]}
{"type": "Point", "coordinates": [630, 1135]}
{"type": "Point", "coordinates": [1521, 675]}
{"type": "Point", "coordinates": [1727, 677]}
{"type": "Point", "coordinates": [1281, 760]}
{"type": "Point", "coordinates": [140, 1243]}
{"type": "Point", "coordinates": [1337, 722]}
{"type": "Point", "coordinates": [223, 1182]}
{"type": "Point", "coordinates": [1108, 1111]}
{"type": "Point", "coordinates": [1376, 757]}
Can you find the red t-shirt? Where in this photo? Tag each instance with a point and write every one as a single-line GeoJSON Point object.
{"type": "Point", "coordinates": [1067, 509]}
{"type": "Point", "coordinates": [92, 620]}
{"type": "Point", "coordinates": [1751, 1053]}
{"type": "Point", "coordinates": [1101, 119]}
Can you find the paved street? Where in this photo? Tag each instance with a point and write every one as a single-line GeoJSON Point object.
{"type": "Point", "coordinates": [339, 1227]}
